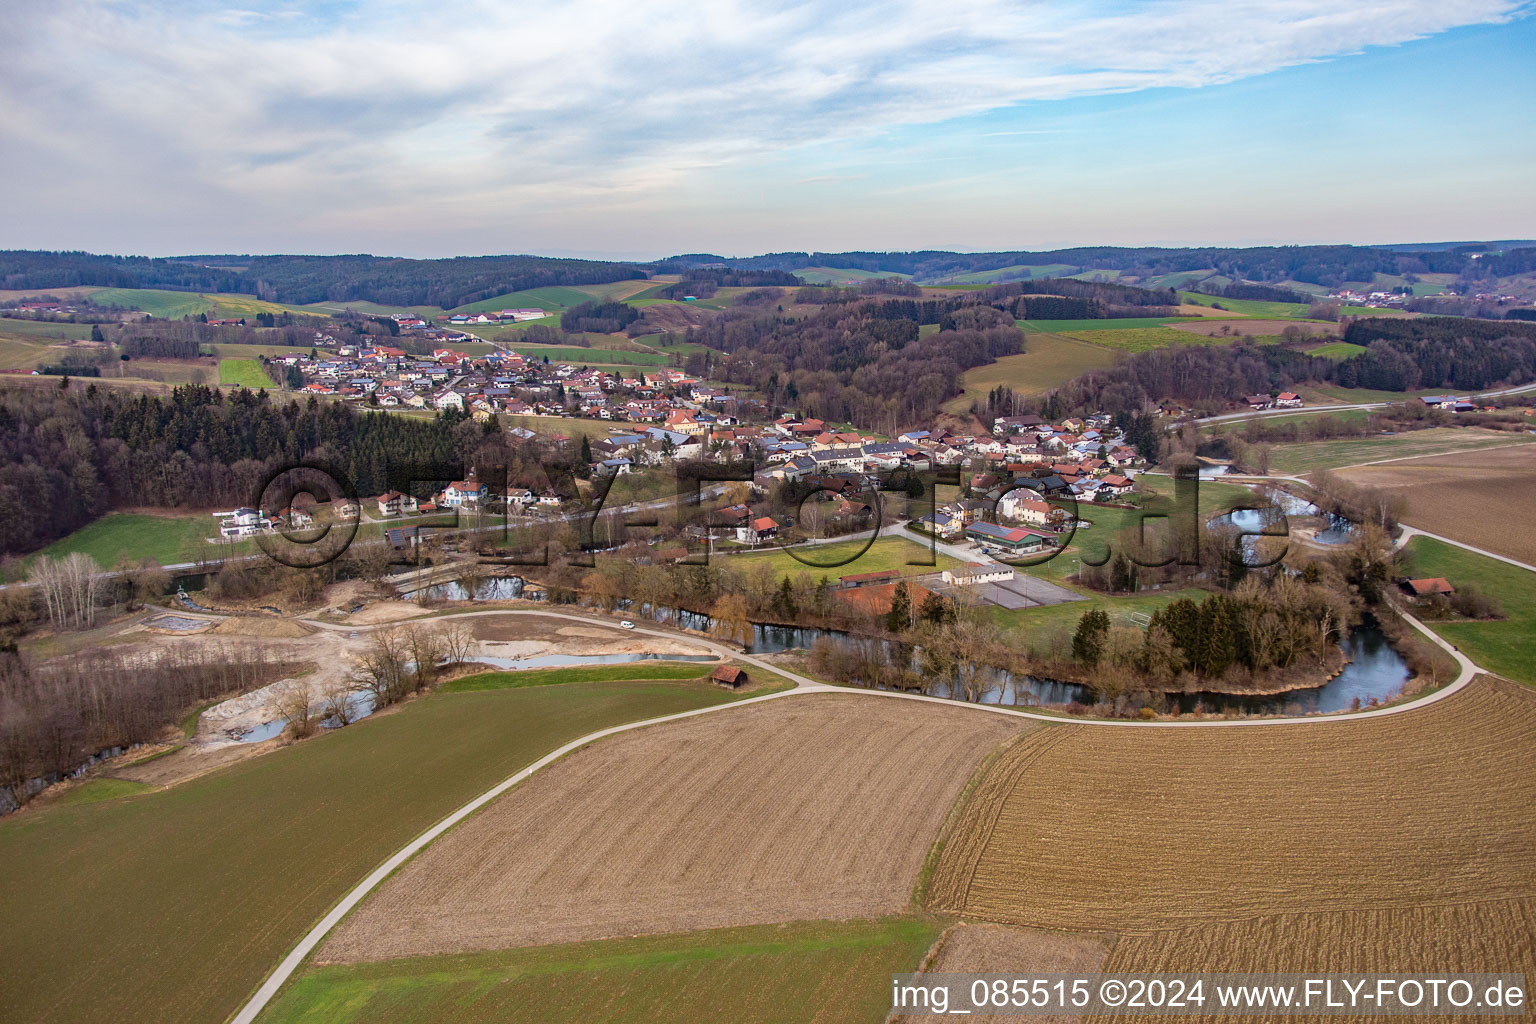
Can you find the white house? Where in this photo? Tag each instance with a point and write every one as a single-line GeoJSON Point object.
{"type": "Point", "coordinates": [465, 494]}
{"type": "Point", "coordinates": [1021, 504]}
{"type": "Point", "coordinates": [977, 572]}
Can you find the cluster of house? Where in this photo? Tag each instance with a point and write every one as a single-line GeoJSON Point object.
{"type": "Point", "coordinates": [1284, 400]}
{"type": "Point", "coordinates": [503, 316]}
{"type": "Point", "coordinates": [248, 522]}
{"type": "Point", "coordinates": [1452, 403]}
{"type": "Point", "coordinates": [503, 381]}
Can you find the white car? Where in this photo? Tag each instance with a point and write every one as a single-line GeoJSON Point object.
{"type": "Point", "coordinates": [626, 624]}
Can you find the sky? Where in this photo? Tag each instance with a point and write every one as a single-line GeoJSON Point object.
{"type": "Point", "coordinates": [630, 129]}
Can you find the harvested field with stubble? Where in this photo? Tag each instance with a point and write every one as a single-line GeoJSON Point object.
{"type": "Point", "coordinates": [799, 808]}
{"type": "Point", "coordinates": [1499, 484]}
{"type": "Point", "coordinates": [1150, 829]}
{"type": "Point", "coordinates": [996, 949]}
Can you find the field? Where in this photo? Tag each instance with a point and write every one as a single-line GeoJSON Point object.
{"type": "Point", "coordinates": [1307, 456]}
{"type": "Point", "coordinates": [1499, 483]}
{"type": "Point", "coordinates": [990, 948]}
{"type": "Point", "coordinates": [167, 539]}
{"type": "Point", "coordinates": [828, 972]}
{"type": "Point", "coordinates": [193, 893]}
{"type": "Point", "coordinates": [44, 329]}
{"type": "Point", "coordinates": [578, 674]}
{"type": "Point", "coordinates": [1129, 323]}
{"type": "Point", "coordinates": [1148, 830]}
{"type": "Point", "coordinates": [887, 552]}
{"type": "Point", "coordinates": [563, 426]}
{"type": "Point", "coordinates": [1213, 327]}
{"type": "Point", "coordinates": [553, 298]}
{"type": "Point", "coordinates": [244, 373]}
{"type": "Point", "coordinates": [171, 305]}
{"type": "Point", "coordinates": [1249, 307]}
{"type": "Point", "coordinates": [1339, 350]}
{"type": "Point", "coordinates": [1507, 646]}
{"type": "Point", "coordinates": [588, 356]}
{"type": "Point", "coordinates": [1142, 339]}
{"type": "Point", "coordinates": [800, 808]}
{"type": "Point", "coordinates": [1048, 361]}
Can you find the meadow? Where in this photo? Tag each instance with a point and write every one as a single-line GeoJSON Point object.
{"type": "Point", "coordinates": [1340, 350]}
{"type": "Point", "coordinates": [1048, 361]}
{"type": "Point", "coordinates": [577, 674]}
{"type": "Point", "coordinates": [843, 558]}
{"type": "Point", "coordinates": [553, 298]}
{"type": "Point", "coordinates": [1143, 339]}
{"type": "Point", "coordinates": [778, 811]}
{"type": "Point", "coordinates": [194, 893]}
{"type": "Point", "coordinates": [168, 539]}
{"type": "Point", "coordinates": [1140, 830]}
{"type": "Point", "coordinates": [588, 356]}
{"type": "Point", "coordinates": [44, 329]}
{"type": "Point", "coordinates": [826, 971]}
{"type": "Point", "coordinates": [243, 373]}
{"type": "Point", "coordinates": [1308, 456]}
{"type": "Point", "coordinates": [1506, 646]}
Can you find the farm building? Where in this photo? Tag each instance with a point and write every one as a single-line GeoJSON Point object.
{"type": "Point", "coordinates": [729, 675]}
{"type": "Point", "coordinates": [1426, 587]}
{"type": "Point", "coordinates": [869, 579]}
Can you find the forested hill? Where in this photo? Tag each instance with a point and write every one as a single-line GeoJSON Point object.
{"type": "Point", "coordinates": [299, 280]}
{"type": "Point", "coordinates": [1326, 265]}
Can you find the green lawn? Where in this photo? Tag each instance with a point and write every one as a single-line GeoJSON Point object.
{"type": "Point", "coordinates": [1306, 456]}
{"type": "Point", "coordinates": [578, 674]}
{"type": "Point", "coordinates": [1249, 307]}
{"type": "Point", "coordinates": [824, 971]}
{"type": "Point", "coordinates": [1506, 646]}
{"type": "Point", "coordinates": [245, 373]}
{"type": "Point", "coordinates": [97, 790]}
{"type": "Point", "coordinates": [173, 905]}
{"type": "Point", "coordinates": [887, 552]}
{"type": "Point", "coordinates": [588, 356]}
{"type": "Point", "coordinates": [166, 539]}
{"type": "Point", "coordinates": [1339, 350]}
{"type": "Point", "coordinates": [553, 298]}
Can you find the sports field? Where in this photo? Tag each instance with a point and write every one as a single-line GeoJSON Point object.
{"type": "Point", "coordinates": [782, 811]}
{"type": "Point", "coordinates": [1154, 829]}
{"type": "Point", "coordinates": [193, 893]}
{"type": "Point", "coordinates": [830, 972]}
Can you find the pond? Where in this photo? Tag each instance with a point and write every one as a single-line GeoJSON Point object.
{"type": "Point", "coordinates": [1375, 671]}
{"type": "Point", "coordinates": [1273, 521]}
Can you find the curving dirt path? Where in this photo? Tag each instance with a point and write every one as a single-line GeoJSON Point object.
{"type": "Point", "coordinates": [311, 940]}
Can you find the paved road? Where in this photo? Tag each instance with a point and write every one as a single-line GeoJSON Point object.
{"type": "Point", "coordinates": [1410, 532]}
{"type": "Point", "coordinates": [311, 941]}
{"type": "Point", "coordinates": [1252, 414]}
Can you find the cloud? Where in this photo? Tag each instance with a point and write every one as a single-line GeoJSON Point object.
{"type": "Point", "coordinates": [461, 108]}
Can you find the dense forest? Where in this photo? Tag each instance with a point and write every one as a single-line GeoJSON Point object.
{"type": "Point", "coordinates": [1326, 265]}
{"type": "Point", "coordinates": [67, 457]}
{"type": "Point", "coordinates": [299, 280]}
{"type": "Point", "coordinates": [855, 362]}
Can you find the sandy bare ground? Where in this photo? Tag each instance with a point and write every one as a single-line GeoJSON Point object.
{"type": "Point", "coordinates": [808, 807]}
{"type": "Point", "coordinates": [387, 611]}
{"type": "Point", "coordinates": [527, 636]}
{"type": "Point", "coordinates": [995, 949]}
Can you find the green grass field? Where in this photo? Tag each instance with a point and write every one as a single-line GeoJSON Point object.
{"type": "Point", "coordinates": [244, 373]}
{"type": "Point", "coordinates": [173, 905]}
{"type": "Point", "coordinates": [1507, 646]}
{"type": "Point", "coordinates": [97, 790]}
{"type": "Point", "coordinates": [588, 356]}
{"type": "Point", "coordinates": [166, 539]}
{"type": "Point", "coordinates": [1307, 456]}
{"type": "Point", "coordinates": [888, 552]}
{"type": "Point", "coordinates": [823, 971]}
{"type": "Point", "coordinates": [1249, 307]}
{"type": "Point", "coordinates": [1048, 361]}
{"type": "Point", "coordinates": [1018, 272]}
{"type": "Point", "coordinates": [43, 330]}
{"type": "Point", "coordinates": [1340, 350]}
{"type": "Point", "coordinates": [23, 353]}
{"type": "Point", "coordinates": [578, 674]}
{"type": "Point", "coordinates": [553, 298]}
{"type": "Point", "coordinates": [170, 305]}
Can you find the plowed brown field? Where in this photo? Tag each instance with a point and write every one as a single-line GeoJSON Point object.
{"type": "Point", "coordinates": [1149, 829]}
{"type": "Point", "coordinates": [991, 948]}
{"type": "Point", "coordinates": [803, 807]}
